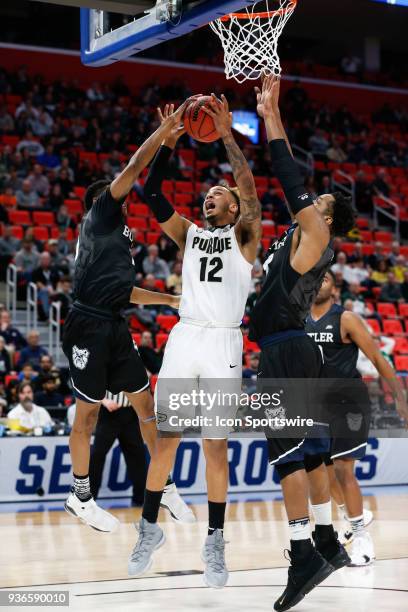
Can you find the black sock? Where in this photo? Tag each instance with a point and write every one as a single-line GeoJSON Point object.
{"type": "Point", "coordinates": [216, 516]}
{"type": "Point", "coordinates": [169, 481]}
{"type": "Point", "coordinates": [151, 505]}
{"type": "Point", "coordinates": [82, 488]}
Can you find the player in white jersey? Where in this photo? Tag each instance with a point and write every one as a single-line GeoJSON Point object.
{"type": "Point", "coordinates": [207, 342]}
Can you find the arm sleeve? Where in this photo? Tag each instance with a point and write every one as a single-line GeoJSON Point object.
{"type": "Point", "coordinates": [106, 213]}
{"type": "Point", "coordinates": [158, 204]}
{"type": "Point", "coordinates": [289, 176]}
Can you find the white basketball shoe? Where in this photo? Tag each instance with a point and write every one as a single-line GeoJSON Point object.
{"type": "Point", "coordinates": [347, 534]}
{"type": "Point", "coordinates": [362, 550]}
{"type": "Point", "coordinates": [179, 511]}
{"type": "Point", "coordinates": [91, 514]}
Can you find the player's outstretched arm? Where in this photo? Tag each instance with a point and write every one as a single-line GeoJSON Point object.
{"type": "Point", "coordinates": [172, 224]}
{"type": "Point", "coordinates": [249, 227]}
{"type": "Point", "coordinates": [149, 298]}
{"type": "Point", "coordinates": [122, 184]}
{"type": "Point", "coordinates": [353, 327]}
{"type": "Point", "coordinates": [315, 234]}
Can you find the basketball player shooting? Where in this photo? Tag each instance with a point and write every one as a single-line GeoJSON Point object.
{"type": "Point", "coordinates": [295, 267]}
{"type": "Point", "coordinates": [347, 394]}
{"type": "Point", "coordinates": [207, 342]}
{"type": "Point", "coordinates": [96, 339]}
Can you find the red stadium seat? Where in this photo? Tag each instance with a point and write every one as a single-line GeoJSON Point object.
{"type": "Point", "coordinates": [184, 187]}
{"type": "Point", "coordinates": [153, 381]}
{"type": "Point", "coordinates": [166, 322]}
{"type": "Point", "coordinates": [160, 284]}
{"type": "Point", "coordinates": [249, 346]}
{"type": "Point", "coordinates": [368, 249]}
{"type": "Point", "coordinates": [17, 232]}
{"type": "Point", "coordinates": [375, 326]}
{"type": "Point", "coordinates": [80, 192]}
{"type": "Point", "coordinates": [75, 207]}
{"type": "Point", "coordinates": [401, 345]}
{"type": "Point", "coordinates": [168, 186]}
{"type": "Point", "coordinates": [384, 236]}
{"type": "Point", "coordinates": [386, 309]}
{"type": "Point", "coordinates": [266, 243]}
{"type": "Point", "coordinates": [403, 309]}
{"type": "Point", "coordinates": [40, 233]}
{"type": "Point", "coordinates": [392, 327]}
{"type": "Point", "coordinates": [154, 225]}
{"type": "Point", "coordinates": [366, 235]}
{"type": "Point", "coordinates": [362, 223]}
{"type": "Point", "coordinates": [89, 156]}
{"type": "Point", "coordinates": [162, 339]}
{"type": "Point", "coordinates": [184, 211]}
{"type": "Point", "coordinates": [281, 229]}
{"type": "Point", "coordinates": [152, 237]}
{"type": "Point", "coordinates": [56, 233]}
{"type": "Point", "coordinates": [137, 222]}
{"type": "Point", "coordinates": [268, 229]}
{"type": "Point", "coordinates": [19, 217]}
{"type": "Point", "coordinates": [137, 338]}
{"type": "Point", "coordinates": [138, 210]}
{"type": "Point", "coordinates": [43, 218]}
{"type": "Point", "coordinates": [401, 362]}
{"type": "Point", "coordinates": [8, 200]}
{"type": "Point", "coordinates": [184, 199]}
{"type": "Point", "coordinates": [348, 248]}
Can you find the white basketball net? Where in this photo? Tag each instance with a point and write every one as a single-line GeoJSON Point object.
{"type": "Point", "coordinates": [250, 39]}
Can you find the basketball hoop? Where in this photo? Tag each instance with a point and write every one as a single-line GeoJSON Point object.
{"type": "Point", "coordinates": [250, 39]}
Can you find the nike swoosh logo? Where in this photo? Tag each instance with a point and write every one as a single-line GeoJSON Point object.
{"type": "Point", "coordinates": [233, 366]}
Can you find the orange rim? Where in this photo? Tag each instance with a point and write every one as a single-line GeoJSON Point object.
{"type": "Point", "coordinates": [264, 15]}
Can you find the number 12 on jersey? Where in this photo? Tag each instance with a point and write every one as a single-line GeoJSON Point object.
{"type": "Point", "coordinates": [209, 269]}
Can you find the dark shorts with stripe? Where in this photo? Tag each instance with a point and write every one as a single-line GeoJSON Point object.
{"type": "Point", "coordinates": [102, 355]}
{"type": "Point", "coordinates": [292, 358]}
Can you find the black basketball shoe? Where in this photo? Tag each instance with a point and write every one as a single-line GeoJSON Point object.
{"type": "Point", "coordinates": [307, 569]}
{"type": "Point", "coordinates": [328, 545]}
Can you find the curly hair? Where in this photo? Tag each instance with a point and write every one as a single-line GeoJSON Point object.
{"type": "Point", "coordinates": [93, 192]}
{"type": "Point", "coordinates": [344, 214]}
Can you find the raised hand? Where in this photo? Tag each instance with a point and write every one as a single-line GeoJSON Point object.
{"type": "Point", "coordinates": [175, 124]}
{"type": "Point", "coordinates": [220, 113]}
{"type": "Point", "coordinates": [268, 98]}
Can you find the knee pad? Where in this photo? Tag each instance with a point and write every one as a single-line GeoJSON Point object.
{"type": "Point", "coordinates": [285, 469]}
{"type": "Point", "coordinates": [312, 462]}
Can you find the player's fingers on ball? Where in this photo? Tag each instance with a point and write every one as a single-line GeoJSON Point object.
{"type": "Point", "coordinates": [208, 111]}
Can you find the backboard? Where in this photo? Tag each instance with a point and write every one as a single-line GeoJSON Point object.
{"type": "Point", "coordinates": [164, 20]}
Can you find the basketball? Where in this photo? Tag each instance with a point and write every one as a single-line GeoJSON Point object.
{"type": "Point", "coordinates": [198, 124]}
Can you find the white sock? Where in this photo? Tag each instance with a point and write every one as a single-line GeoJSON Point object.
{"type": "Point", "coordinates": [342, 510]}
{"type": "Point", "coordinates": [300, 529]}
{"type": "Point", "coordinates": [357, 525]}
{"type": "Point", "coordinates": [322, 513]}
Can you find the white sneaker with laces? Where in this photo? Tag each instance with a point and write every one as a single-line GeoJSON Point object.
{"type": "Point", "coordinates": [347, 534]}
{"type": "Point", "coordinates": [362, 550]}
{"type": "Point", "coordinates": [91, 514]}
{"type": "Point", "coordinates": [179, 511]}
{"type": "Point", "coordinates": [213, 554]}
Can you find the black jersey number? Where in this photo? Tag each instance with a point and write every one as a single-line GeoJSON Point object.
{"type": "Point", "coordinates": [214, 265]}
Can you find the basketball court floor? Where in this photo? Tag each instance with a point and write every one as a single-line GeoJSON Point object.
{"type": "Point", "coordinates": [48, 549]}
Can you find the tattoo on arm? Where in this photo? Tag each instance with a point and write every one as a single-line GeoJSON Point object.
{"type": "Point", "coordinates": [250, 205]}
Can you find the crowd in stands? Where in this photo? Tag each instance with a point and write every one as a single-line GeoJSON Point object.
{"type": "Point", "coordinates": [57, 138]}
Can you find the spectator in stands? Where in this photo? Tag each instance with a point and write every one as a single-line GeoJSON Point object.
{"type": "Point", "coordinates": [357, 253]}
{"type": "Point", "coordinates": [399, 268]}
{"type": "Point", "coordinates": [357, 307]}
{"type": "Point", "coordinates": [380, 275]}
{"type": "Point", "coordinates": [29, 235]}
{"type": "Point", "coordinates": [354, 294]}
{"type": "Point", "coordinates": [152, 264]}
{"type": "Point", "coordinates": [296, 100]}
{"type": "Point", "coordinates": [63, 219]}
{"type": "Point", "coordinates": [167, 248]}
{"type": "Point", "coordinates": [45, 277]}
{"type": "Point", "coordinates": [319, 144]}
{"type": "Point", "coordinates": [56, 259]}
{"type": "Point", "coordinates": [13, 181]}
{"type": "Point", "coordinates": [66, 166]}
{"type": "Point", "coordinates": [33, 352]}
{"type": "Point", "coordinates": [335, 153]}
{"type": "Point", "coordinates": [55, 198]}
{"type": "Point", "coordinates": [49, 158]}
{"type": "Point", "coordinates": [12, 336]}
{"type": "Point", "coordinates": [27, 374]}
{"type": "Point", "coordinates": [357, 273]}
{"type": "Point", "coordinates": [391, 290]}
{"type": "Point", "coordinates": [5, 361]}
{"type": "Point", "coordinates": [351, 65]}
{"type": "Point", "coordinates": [395, 253]}
{"type": "Point", "coordinates": [34, 147]}
{"type": "Point", "coordinates": [139, 251]}
{"type": "Point", "coordinates": [42, 125]}
{"type": "Point", "coordinates": [8, 248]}
{"type": "Point", "coordinates": [38, 181]}
{"type": "Point", "coordinates": [27, 198]}
{"type": "Point", "coordinates": [252, 370]}
{"type": "Point", "coordinates": [253, 296]}
{"type": "Point", "coordinates": [380, 184]}
{"type": "Point", "coordinates": [29, 414]}
{"type": "Point", "coordinates": [3, 399]}
{"type": "Point", "coordinates": [64, 247]}
{"type": "Point", "coordinates": [67, 186]}
{"type": "Point", "coordinates": [378, 255]}
{"type": "Point", "coordinates": [6, 120]}
{"type": "Point", "coordinates": [174, 281]}
{"type": "Point", "coordinates": [64, 295]}
{"type": "Point", "coordinates": [212, 173]}
{"type": "Point", "coordinates": [364, 193]}
{"type": "Point", "coordinates": [94, 92]}
{"type": "Point", "coordinates": [325, 185]}
{"type": "Point", "coordinates": [49, 396]}
{"type": "Point", "coordinates": [341, 265]}
{"type": "Point", "coordinates": [404, 287]}
{"type": "Point", "coordinates": [27, 258]}
{"type": "Point", "coordinates": [152, 360]}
